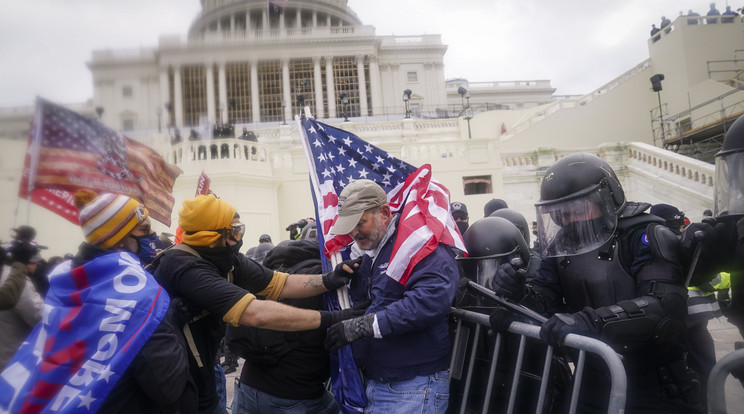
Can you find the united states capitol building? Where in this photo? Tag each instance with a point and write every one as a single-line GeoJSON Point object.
{"type": "Point", "coordinates": [245, 66]}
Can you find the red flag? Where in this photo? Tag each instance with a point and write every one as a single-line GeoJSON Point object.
{"type": "Point", "coordinates": [68, 151]}
{"type": "Point", "coordinates": [503, 128]}
{"type": "Point", "coordinates": [337, 157]}
{"type": "Point", "coordinates": [202, 186]}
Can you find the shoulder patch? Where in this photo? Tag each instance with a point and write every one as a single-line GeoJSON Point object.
{"type": "Point", "coordinates": [383, 267]}
{"type": "Point", "coordinates": [644, 238]}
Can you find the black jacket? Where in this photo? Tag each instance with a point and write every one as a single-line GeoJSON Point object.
{"type": "Point", "coordinates": [292, 365]}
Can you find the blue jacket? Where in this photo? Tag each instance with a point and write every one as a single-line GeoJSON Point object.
{"type": "Point", "coordinates": [412, 319]}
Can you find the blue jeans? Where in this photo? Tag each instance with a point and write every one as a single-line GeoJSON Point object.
{"type": "Point", "coordinates": [420, 395]}
{"type": "Point", "coordinates": [248, 400]}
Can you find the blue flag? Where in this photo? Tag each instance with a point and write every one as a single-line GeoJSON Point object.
{"type": "Point", "coordinates": [96, 319]}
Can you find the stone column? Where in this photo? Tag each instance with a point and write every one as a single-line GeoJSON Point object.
{"type": "Point", "coordinates": [164, 93]}
{"type": "Point", "coordinates": [374, 84]}
{"type": "Point", "coordinates": [330, 90]}
{"type": "Point", "coordinates": [362, 86]}
{"type": "Point", "coordinates": [178, 96]}
{"type": "Point", "coordinates": [222, 83]}
{"type": "Point", "coordinates": [210, 93]}
{"type": "Point", "coordinates": [319, 106]}
{"type": "Point", "coordinates": [397, 90]}
{"type": "Point", "coordinates": [254, 92]}
{"type": "Point", "coordinates": [298, 23]}
{"type": "Point", "coordinates": [232, 24]}
{"type": "Point", "coordinates": [286, 90]}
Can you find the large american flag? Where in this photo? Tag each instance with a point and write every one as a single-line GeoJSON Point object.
{"type": "Point", "coordinates": [337, 157]}
{"type": "Point", "coordinates": [68, 151]}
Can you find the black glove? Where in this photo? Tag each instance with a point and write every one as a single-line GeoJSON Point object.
{"type": "Point", "coordinates": [340, 277]}
{"type": "Point", "coordinates": [584, 322]}
{"type": "Point", "coordinates": [328, 318]}
{"type": "Point", "coordinates": [509, 280]}
{"type": "Point", "coordinates": [348, 331]}
{"type": "Point", "coordinates": [179, 312]}
{"type": "Point", "coordinates": [500, 320]}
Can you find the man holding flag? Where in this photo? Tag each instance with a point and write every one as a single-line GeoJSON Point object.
{"type": "Point", "coordinates": [401, 226]}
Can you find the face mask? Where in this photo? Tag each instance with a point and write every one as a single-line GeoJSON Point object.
{"type": "Point", "coordinates": [462, 226]}
{"type": "Point", "coordinates": [222, 257]}
{"type": "Point", "coordinates": [236, 247]}
{"type": "Point", "coordinates": [145, 249]}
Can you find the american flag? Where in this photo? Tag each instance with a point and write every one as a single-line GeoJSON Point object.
{"type": "Point", "coordinates": [337, 157]}
{"type": "Point", "coordinates": [68, 151]}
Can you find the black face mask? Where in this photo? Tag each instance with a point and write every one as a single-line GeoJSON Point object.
{"type": "Point", "coordinates": [236, 247]}
{"type": "Point", "coordinates": [462, 226]}
{"type": "Point", "coordinates": [222, 257]}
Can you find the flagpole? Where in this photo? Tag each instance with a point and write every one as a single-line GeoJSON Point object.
{"type": "Point", "coordinates": [35, 149]}
{"type": "Point", "coordinates": [342, 293]}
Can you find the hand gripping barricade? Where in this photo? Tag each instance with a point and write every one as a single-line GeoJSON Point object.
{"type": "Point", "coordinates": [465, 355]}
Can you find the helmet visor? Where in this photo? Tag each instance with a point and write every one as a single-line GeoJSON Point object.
{"type": "Point", "coordinates": [485, 270]}
{"type": "Point", "coordinates": [729, 191]}
{"type": "Point", "coordinates": [578, 225]}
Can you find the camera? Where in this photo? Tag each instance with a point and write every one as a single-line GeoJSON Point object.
{"type": "Point", "coordinates": [300, 224]}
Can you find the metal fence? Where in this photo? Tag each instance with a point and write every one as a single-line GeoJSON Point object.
{"type": "Point", "coordinates": [465, 364]}
{"type": "Point", "coordinates": [717, 380]}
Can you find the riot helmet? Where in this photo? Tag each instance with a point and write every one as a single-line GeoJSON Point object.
{"type": "Point", "coordinates": [516, 219]}
{"type": "Point", "coordinates": [729, 190]}
{"type": "Point", "coordinates": [580, 199]}
{"type": "Point", "coordinates": [491, 242]}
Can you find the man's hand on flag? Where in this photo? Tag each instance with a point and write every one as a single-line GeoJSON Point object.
{"type": "Point", "coordinates": [341, 274]}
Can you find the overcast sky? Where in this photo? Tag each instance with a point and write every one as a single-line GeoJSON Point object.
{"type": "Point", "coordinates": [578, 45]}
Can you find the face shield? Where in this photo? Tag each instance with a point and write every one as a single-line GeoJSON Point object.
{"type": "Point", "coordinates": [482, 270]}
{"type": "Point", "coordinates": [729, 190]}
{"type": "Point", "coordinates": [577, 225]}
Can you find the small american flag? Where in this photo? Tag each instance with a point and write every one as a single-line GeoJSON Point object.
{"type": "Point", "coordinates": [337, 157]}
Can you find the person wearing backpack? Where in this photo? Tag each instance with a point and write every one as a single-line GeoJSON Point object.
{"type": "Point", "coordinates": [284, 370]}
{"type": "Point", "coordinates": [216, 283]}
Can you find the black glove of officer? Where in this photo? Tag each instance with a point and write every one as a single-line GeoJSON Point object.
{"type": "Point", "coordinates": [584, 322]}
{"type": "Point", "coordinates": [348, 331]}
{"type": "Point", "coordinates": [509, 280]}
{"type": "Point", "coordinates": [500, 320]}
{"type": "Point", "coordinates": [328, 318]}
{"type": "Point", "coordinates": [340, 276]}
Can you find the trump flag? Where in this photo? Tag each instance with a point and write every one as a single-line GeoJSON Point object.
{"type": "Point", "coordinates": [96, 319]}
{"type": "Point", "coordinates": [337, 157]}
{"type": "Point", "coordinates": [68, 151]}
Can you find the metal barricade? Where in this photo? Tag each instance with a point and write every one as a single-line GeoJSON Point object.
{"type": "Point", "coordinates": [717, 380]}
{"type": "Point", "coordinates": [581, 343]}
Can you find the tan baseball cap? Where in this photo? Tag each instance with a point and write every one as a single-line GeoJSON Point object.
{"type": "Point", "coordinates": [354, 200]}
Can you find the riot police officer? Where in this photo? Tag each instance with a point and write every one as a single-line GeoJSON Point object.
{"type": "Point", "coordinates": [491, 242]}
{"type": "Point", "coordinates": [618, 271]}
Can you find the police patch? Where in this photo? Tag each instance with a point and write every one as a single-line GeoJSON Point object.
{"type": "Point", "coordinates": [383, 267]}
{"type": "Point", "coordinates": [644, 238]}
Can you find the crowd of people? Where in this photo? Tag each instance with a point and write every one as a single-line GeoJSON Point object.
{"type": "Point", "coordinates": [640, 277]}
{"type": "Point", "coordinates": [728, 16]}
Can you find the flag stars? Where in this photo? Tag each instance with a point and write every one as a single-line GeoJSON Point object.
{"type": "Point", "coordinates": [326, 173]}
{"type": "Point", "coordinates": [347, 141]}
{"type": "Point", "coordinates": [368, 148]}
{"type": "Point", "coordinates": [352, 163]}
{"type": "Point", "coordinates": [86, 400]}
{"type": "Point", "coordinates": [380, 160]}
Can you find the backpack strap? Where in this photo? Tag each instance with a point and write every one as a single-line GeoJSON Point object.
{"type": "Point", "coordinates": [186, 329]}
